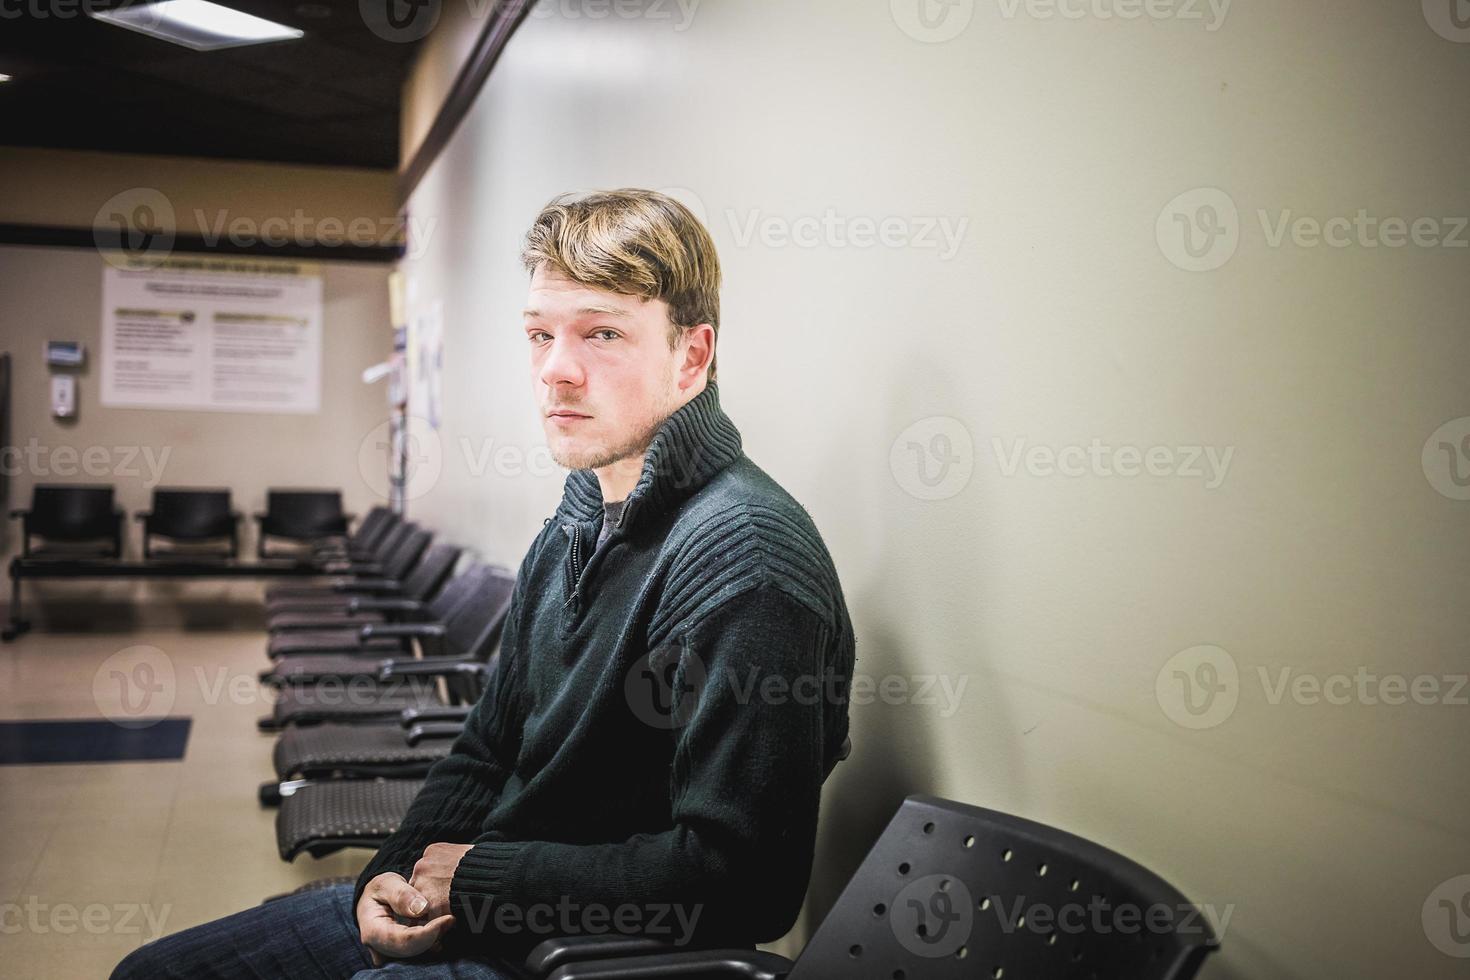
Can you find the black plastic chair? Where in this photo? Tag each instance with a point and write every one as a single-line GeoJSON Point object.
{"type": "Point", "coordinates": [400, 748]}
{"type": "Point", "coordinates": [952, 891]}
{"type": "Point", "coordinates": [362, 542]}
{"type": "Point", "coordinates": [192, 517]}
{"type": "Point", "coordinates": [72, 520]}
{"type": "Point", "coordinates": [383, 572]}
{"type": "Point", "coordinates": [337, 571]}
{"type": "Point", "coordinates": [302, 517]}
{"type": "Point", "coordinates": [461, 646]}
{"type": "Point", "coordinates": [400, 551]}
{"type": "Point", "coordinates": [445, 625]}
{"type": "Point", "coordinates": [321, 816]}
{"type": "Point", "coordinates": [369, 600]}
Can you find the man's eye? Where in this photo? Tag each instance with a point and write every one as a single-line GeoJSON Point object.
{"type": "Point", "coordinates": [608, 333]}
{"type": "Point", "coordinates": [535, 336]}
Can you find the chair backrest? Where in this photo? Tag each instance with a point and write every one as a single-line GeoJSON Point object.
{"type": "Point", "coordinates": [406, 553]}
{"type": "Point", "coordinates": [474, 629]}
{"type": "Point", "coordinates": [190, 514]}
{"type": "Point", "coordinates": [474, 626]}
{"type": "Point", "coordinates": [457, 590]}
{"type": "Point", "coordinates": [951, 891]}
{"type": "Point", "coordinates": [72, 512]}
{"type": "Point", "coordinates": [430, 573]}
{"type": "Point", "coordinates": [304, 514]}
{"type": "Point", "coordinates": [370, 529]}
{"type": "Point", "coordinates": [388, 544]}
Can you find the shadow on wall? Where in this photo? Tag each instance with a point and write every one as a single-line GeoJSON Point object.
{"type": "Point", "coordinates": [904, 612]}
{"type": "Point", "coordinates": [890, 760]}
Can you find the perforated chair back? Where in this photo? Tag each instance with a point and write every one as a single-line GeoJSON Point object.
{"type": "Point", "coordinates": [431, 572]}
{"type": "Point", "coordinates": [303, 515]}
{"type": "Point", "coordinates": [956, 891]}
{"type": "Point", "coordinates": [72, 512]}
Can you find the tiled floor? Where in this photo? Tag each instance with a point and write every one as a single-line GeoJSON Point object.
{"type": "Point", "coordinates": [96, 859]}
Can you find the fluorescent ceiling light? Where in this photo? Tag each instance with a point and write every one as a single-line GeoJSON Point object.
{"type": "Point", "coordinates": [4, 78]}
{"type": "Point", "coordinates": [197, 24]}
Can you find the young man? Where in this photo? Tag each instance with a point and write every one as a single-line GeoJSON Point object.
{"type": "Point", "coordinates": [672, 683]}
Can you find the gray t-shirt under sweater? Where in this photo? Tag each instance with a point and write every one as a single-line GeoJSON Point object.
{"type": "Point", "coordinates": [611, 514]}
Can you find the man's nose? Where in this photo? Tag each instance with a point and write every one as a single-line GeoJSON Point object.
{"type": "Point", "coordinates": [561, 364]}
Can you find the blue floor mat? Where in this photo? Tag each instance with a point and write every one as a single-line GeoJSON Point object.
{"type": "Point", "coordinates": [37, 742]}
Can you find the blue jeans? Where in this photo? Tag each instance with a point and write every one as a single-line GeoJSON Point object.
{"type": "Point", "coordinates": [311, 936]}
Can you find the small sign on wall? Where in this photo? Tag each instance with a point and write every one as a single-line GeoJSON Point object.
{"type": "Point", "coordinates": [65, 353]}
{"type": "Point", "coordinates": [232, 335]}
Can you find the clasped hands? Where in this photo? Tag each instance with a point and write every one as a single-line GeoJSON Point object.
{"type": "Point", "coordinates": [401, 919]}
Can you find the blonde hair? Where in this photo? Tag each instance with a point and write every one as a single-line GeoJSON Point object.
{"type": "Point", "coordinates": [635, 242]}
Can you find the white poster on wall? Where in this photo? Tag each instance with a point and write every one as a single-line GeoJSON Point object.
{"type": "Point", "coordinates": [229, 335]}
{"type": "Point", "coordinates": [429, 344]}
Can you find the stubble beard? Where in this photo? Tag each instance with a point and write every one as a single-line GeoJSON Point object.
{"type": "Point", "coordinates": [636, 444]}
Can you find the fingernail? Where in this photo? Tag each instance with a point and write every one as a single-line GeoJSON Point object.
{"type": "Point", "coordinates": [416, 907]}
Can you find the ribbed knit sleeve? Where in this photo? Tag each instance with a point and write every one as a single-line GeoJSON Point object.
{"type": "Point", "coordinates": [748, 717]}
{"type": "Point", "coordinates": [461, 788]}
{"type": "Point", "coordinates": [457, 794]}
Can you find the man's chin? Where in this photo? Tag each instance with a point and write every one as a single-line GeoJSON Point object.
{"type": "Point", "coordinates": [576, 458]}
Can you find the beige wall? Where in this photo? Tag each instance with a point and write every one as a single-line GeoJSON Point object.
{"type": "Point", "coordinates": [1062, 316]}
{"type": "Point", "coordinates": [72, 188]}
{"type": "Point", "coordinates": [56, 294]}
{"type": "Point", "coordinates": [441, 55]}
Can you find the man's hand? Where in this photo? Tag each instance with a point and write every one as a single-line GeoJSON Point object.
{"type": "Point", "coordinates": [433, 872]}
{"type": "Point", "coordinates": [386, 899]}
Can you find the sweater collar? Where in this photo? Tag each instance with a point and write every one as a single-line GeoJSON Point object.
{"type": "Point", "coordinates": [688, 449]}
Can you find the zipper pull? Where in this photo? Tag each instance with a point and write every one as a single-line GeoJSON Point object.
{"type": "Point", "coordinates": [576, 565]}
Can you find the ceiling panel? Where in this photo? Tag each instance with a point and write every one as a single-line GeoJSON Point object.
{"type": "Point", "coordinates": [330, 97]}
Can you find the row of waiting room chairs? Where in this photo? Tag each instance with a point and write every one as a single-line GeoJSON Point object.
{"type": "Point", "coordinates": [82, 520]}
{"type": "Point", "coordinates": [378, 668]}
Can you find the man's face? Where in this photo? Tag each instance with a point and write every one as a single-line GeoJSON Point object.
{"type": "Point", "coordinates": [601, 369]}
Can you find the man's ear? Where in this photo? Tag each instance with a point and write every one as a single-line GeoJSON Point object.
{"type": "Point", "coordinates": [699, 349]}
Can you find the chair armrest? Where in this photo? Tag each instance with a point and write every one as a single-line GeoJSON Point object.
{"type": "Point", "coordinates": [20, 513]}
{"type": "Point", "coordinates": [143, 515]}
{"type": "Point", "coordinates": [429, 667]}
{"type": "Point", "coordinates": [364, 569]}
{"type": "Point", "coordinates": [561, 950]}
{"type": "Point", "coordinates": [745, 964]}
{"type": "Point", "coordinates": [402, 631]}
{"type": "Point", "coordinates": [433, 730]}
{"type": "Point", "coordinates": [366, 585]}
{"type": "Point", "coordinates": [369, 604]}
{"type": "Point", "coordinates": [454, 712]}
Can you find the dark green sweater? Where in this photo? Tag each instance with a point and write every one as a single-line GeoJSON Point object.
{"type": "Point", "coordinates": [663, 713]}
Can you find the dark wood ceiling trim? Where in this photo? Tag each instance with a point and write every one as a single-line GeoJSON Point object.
{"type": "Point", "coordinates": [52, 236]}
{"type": "Point", "coordinates": [498, 29]}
